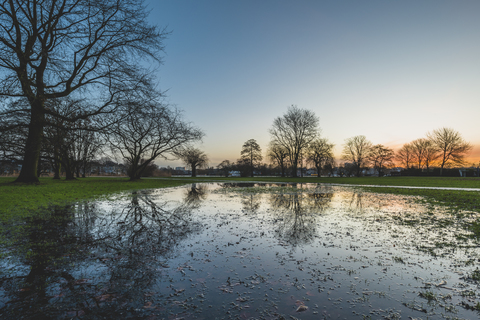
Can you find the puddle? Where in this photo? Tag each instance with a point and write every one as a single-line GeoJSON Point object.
{"type": "Point", "coordinates": [243, 251]}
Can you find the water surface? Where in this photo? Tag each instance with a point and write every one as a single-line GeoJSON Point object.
{"type": "Point", "coordinates": [243, 251]}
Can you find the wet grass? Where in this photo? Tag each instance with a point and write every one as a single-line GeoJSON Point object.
{"type": "Point", "coordinates": [20, 200]}
{"type": "Point", "coordinates": [446, 182]}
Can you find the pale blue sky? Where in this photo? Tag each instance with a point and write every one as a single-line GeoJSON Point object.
{"type": "Point", "coordinates": [389, 70]}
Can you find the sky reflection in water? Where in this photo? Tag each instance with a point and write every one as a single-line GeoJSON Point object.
{"type": "Point", "coordinates": [242, 251]}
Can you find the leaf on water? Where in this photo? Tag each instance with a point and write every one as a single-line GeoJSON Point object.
{"type": "Point", "coordinates": [302, 308]}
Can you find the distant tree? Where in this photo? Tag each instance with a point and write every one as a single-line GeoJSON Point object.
{"type": "Point", "coordinates": [225, 166]}
{"type": "Point", "coordinates": [278, 155]}
{"type": "Point", "coordinates": [419, 149]}
{"type": "Point", "coordinates": [251, 153]}
{"type": "Point", "coordinates": [193, 158]}
{"type": "Point", "coordinates": [405, 155]}
{"type": "Point", "coordinates": [430, 154]}
{"type": "Point", "coordinates": [147, 131]}
{"type": "Point", "coordinates": [294, 131]}
{"type": "Point", "coordinates": [356, 150]}
{"type": "Point", "coordinates": [380, 157]}
{"type": "Point", "coordinates": [450, 145]}
{"type": "Point", "coordinates": [53, 49]}
{"type": "Point", "coordinates": [320, 153]}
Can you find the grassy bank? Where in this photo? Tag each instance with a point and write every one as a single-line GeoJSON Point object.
{"type": "Point", "coordinates": [23, 199]}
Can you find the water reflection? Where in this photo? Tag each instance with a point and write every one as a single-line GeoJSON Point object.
{"type": "Point", "coordinates": [81, 261]}
{"type": "Point", "coordinates": [242, 251]}
{"type": "Point", "coordinates": [195, 194]}
{"type": "Point", "coordinates": [296, 215]}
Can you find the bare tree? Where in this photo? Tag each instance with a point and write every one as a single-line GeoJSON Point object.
{"type": "Point", "coordinates": [320, 153]}
{"type": "Point", "coordinates": [194, 158]}
{"type": "Point", "coordinates": [419, 149]}
{"type": "Point", "coordinates": [381, 157]}
{"type": "Point", "coordinates": [148, 132]}
{"type": "Point", "coordinates": [356, 150]}
{"type": "Point", "coordinates": [278, 154]}
{"type": "Point", "coordinates": [430, 154]}
{"type": "Point", "coordinates": [251, 153]}
{"type": "Point", "coordinates": [294, 131]}
{"type": "Point", "coordinates": [405, 155]}
{"type": "Point", "coordinates": [52, 49]}
{"type": "Point", "coordinates": [225, 166]}
{"type": "Point", "coordinates": [450, 145]}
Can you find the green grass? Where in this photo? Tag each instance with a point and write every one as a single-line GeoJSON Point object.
{"type": "Point", "coordinates": [22, 199]}
{"type": "Point", "coordinates": [449, 182]}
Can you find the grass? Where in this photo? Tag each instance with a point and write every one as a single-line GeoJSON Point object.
{"type": "Point", "coordinates": [22, 199]}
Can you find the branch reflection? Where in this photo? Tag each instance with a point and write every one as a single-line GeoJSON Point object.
{"type": "Point", "coordinates": [80, 261]}
{"type": "Point", "coordinates": [297, 212]}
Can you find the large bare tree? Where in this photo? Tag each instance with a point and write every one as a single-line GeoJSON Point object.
{"type": "Point", "coordinates": [450, 145]}
{"type": "Point", "coordinates": [57, 48]}
{"type": "Point", "coordinates": [356, 150]}
{"type": "Point", "coordinates": [251, 153]}
{"type": "Point", "coordinates": [294, 131]}
{"type": "Point", "coordinates": [144, 133]}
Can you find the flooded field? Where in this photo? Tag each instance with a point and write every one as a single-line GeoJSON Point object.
{"type": "Point", "coordinates": [243, 251]}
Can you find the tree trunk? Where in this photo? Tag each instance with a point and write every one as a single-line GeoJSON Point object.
{"type": "Point", "coordinates": [28, 174]}
{"type": "Point", "coordinates": [194, 170]}
{"type": "Point", "coordinates": [56, 164]}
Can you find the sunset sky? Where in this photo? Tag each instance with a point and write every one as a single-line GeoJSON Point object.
{"type": "Point", "coordinates": [389, 70]}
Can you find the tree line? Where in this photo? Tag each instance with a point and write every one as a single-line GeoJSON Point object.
{"type": "Point", "coordinates": [76, 80]}
{"type": "Point", "coordinates": [295, 141]}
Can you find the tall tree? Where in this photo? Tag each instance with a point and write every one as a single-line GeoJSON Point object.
{"type": "Point", "coordinates": [294, 131]}
{"type": "Point", "coordinates": [450, 145]}
{"type": "Point", "coordinates": [419, 149]}
{"type": "Point", "coordinates": [320, 153]}
{"type": "Point", "coordinates": [356, 150]}
{"type": "Point", "coordinates": [194, 158]}
{"type": "Point", "coordinates": [405, 155]}
{"type": "Point", "coordinates": [380, 157]}
{"type": "Point", "coordinates": [251, 153]}
{"type": "Point", "coordinates": [278, 154]}
{"type": "Point", "coordinates": [144, 132]}
{"type": "Point", "coordinates": [58, 48]}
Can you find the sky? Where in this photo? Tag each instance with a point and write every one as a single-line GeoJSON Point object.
{"type": "Point", "coordinates": [389, 70]}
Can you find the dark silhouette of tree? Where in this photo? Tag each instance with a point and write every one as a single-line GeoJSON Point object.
{"type": "Point", "coordinates": [278, 155]}
{"type": "Point", "coordinates": [356, 150]}
{"type": "Point", "coordinates": [225, 166]}
{"type": "Point", "coordinates": [145, 132]}
{"type": "Point", "coordinates": [450, 145]}
{"type": "Point", "coordinates": [381, 157]}
{"type": "Point", "coordinates": [53, 49]}
{"type": "Point", "coordinates": [294, 131]}
{"type": "Point", "coordinates": [419, 149]}
{"type": "Point", "coordinates": [251, 153]}
{"type": "Point", "coordinates": [320, 153]}
{"type": "Point", "coordinates": [405, 155]}
{"type": "Point", "coordinates": [193, 157]}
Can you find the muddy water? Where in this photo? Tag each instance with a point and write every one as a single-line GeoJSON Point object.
{"type": "Point", "coordinates": [243, 251]}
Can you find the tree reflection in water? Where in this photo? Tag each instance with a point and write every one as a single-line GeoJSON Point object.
{"type": "Point", "coordinates": [79, 261]}
{"type": "Point", "coordinates": [195, 195]}
{"type": "Point", "coordinates": [297, 212]}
